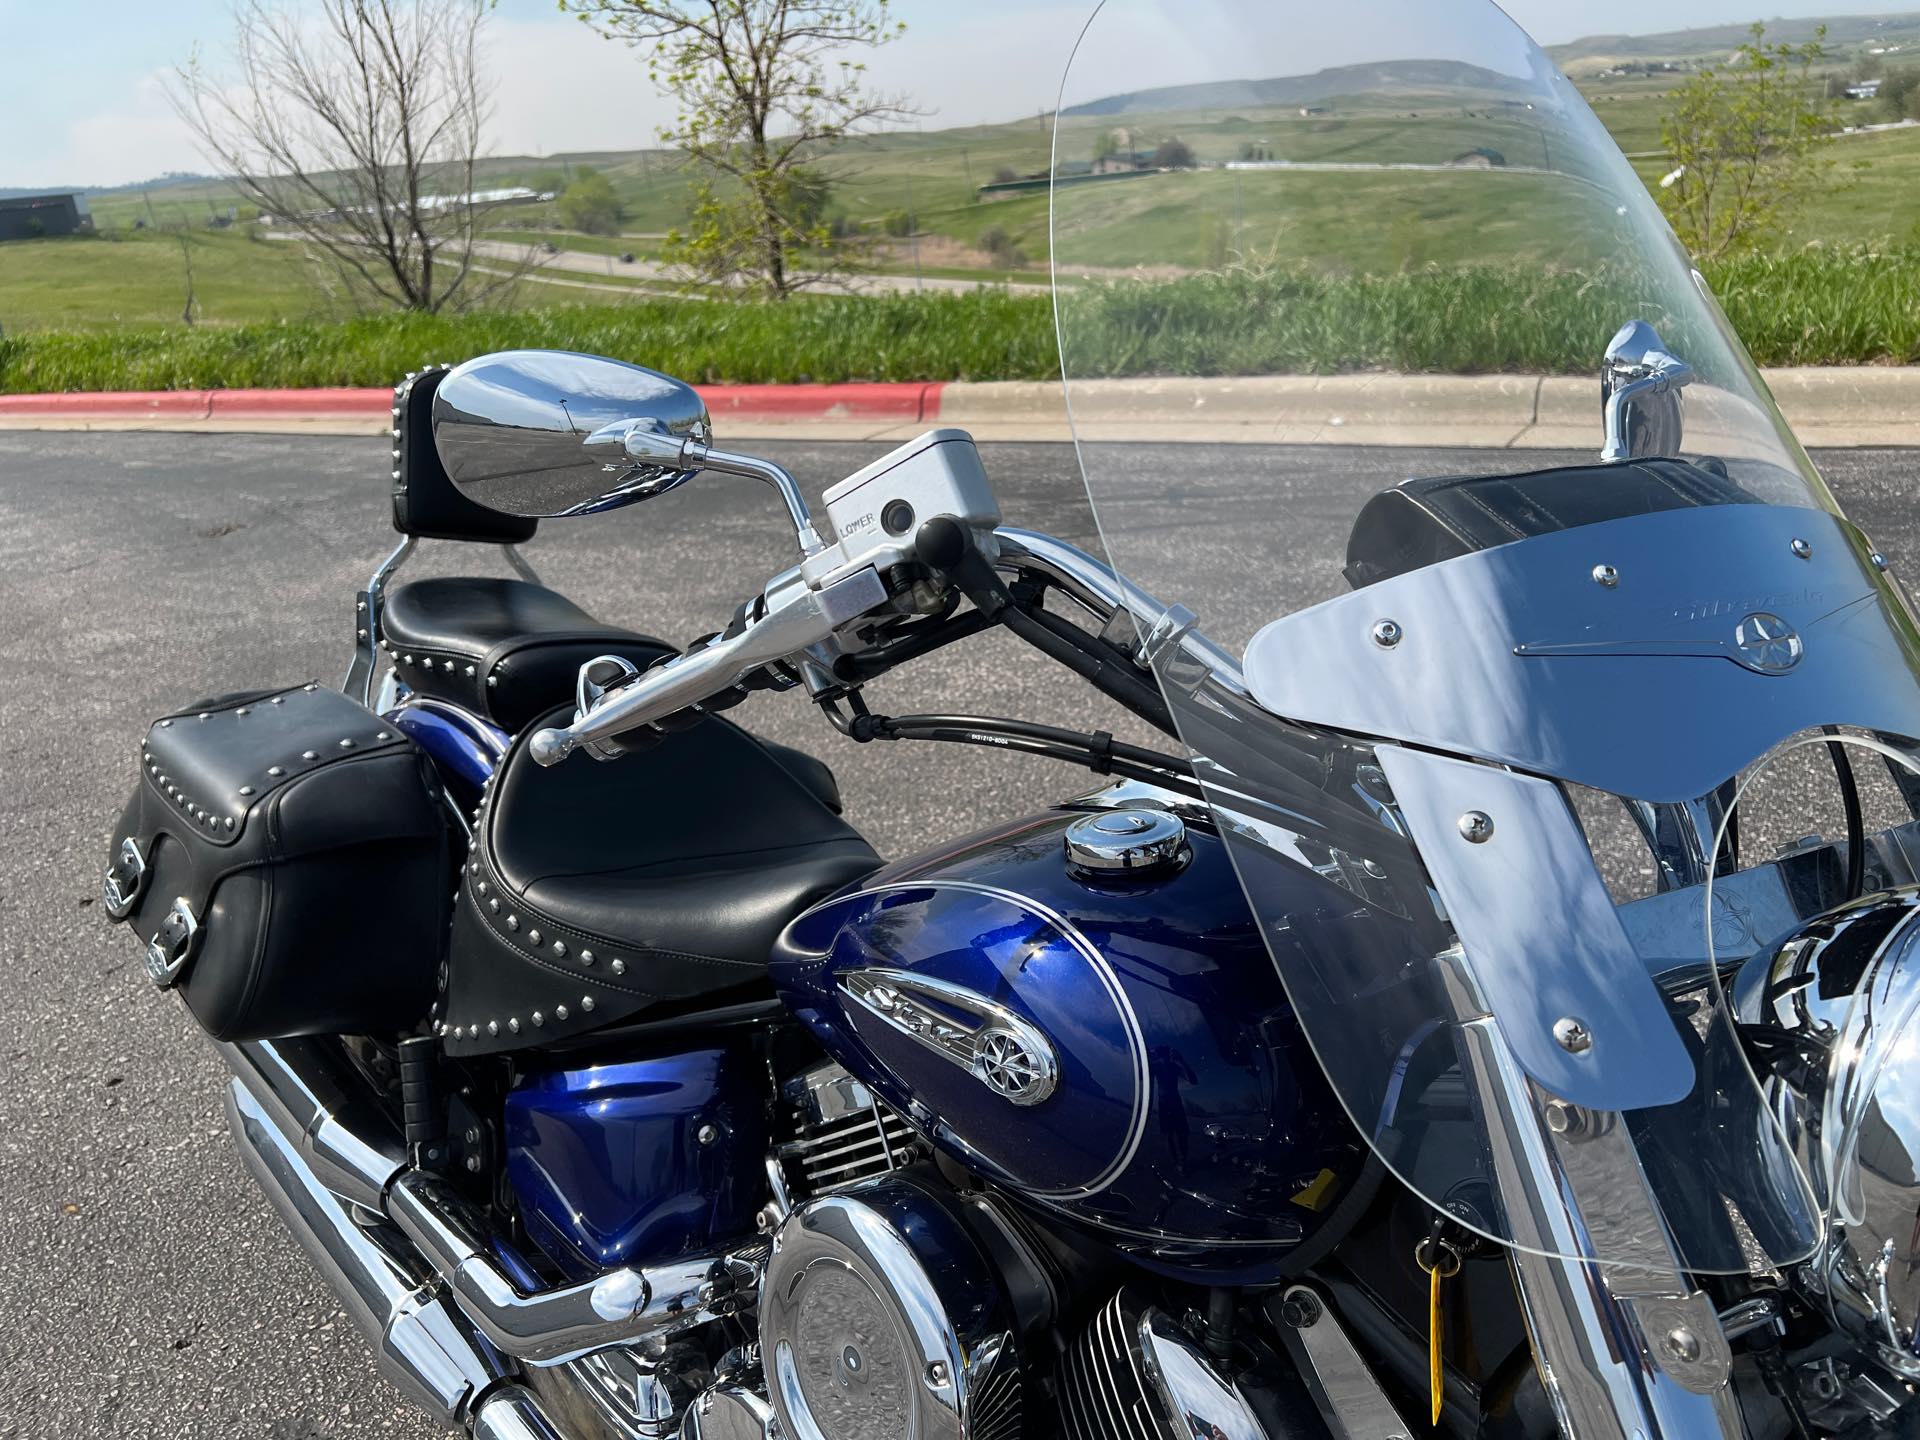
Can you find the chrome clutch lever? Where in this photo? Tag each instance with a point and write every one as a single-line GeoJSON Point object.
{"type": "Point", "coordinates": [796, 617]}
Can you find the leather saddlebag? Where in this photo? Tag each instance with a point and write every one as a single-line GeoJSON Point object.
{"type": "Point", "coordinates": [285, 863]}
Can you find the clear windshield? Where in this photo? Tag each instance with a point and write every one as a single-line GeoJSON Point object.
{"type": "Point", "coordinates": [1382, 361]}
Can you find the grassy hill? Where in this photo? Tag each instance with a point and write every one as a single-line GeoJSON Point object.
{"type": "Point", "coordinates": [1408, 113]}
{"type": "Point", "coordinates": [1848, 36]}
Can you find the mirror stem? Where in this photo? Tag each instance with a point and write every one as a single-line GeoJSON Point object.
{"type": "Point", "coordinates": [789, 489]}
{"type": "Point", "coordinates": [647, 445]}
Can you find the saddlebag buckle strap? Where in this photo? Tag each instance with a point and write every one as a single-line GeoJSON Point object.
{"type": "Point", "coordinates": [172, 944]}
{"type": "Point", "coordinates": [126, 877]}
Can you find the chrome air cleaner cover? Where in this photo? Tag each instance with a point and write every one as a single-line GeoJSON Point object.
{"type": "Point", "coordinates": [1840, 1005]}
{"type": "Point", "coordinates": [880, 1320]}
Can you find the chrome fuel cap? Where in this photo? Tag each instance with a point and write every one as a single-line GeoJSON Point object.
{"type": "Point", "coordinates": [1129, 840]}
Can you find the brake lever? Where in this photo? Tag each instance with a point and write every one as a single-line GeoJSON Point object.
{"type": "Point", "coordinates": [797, 616]}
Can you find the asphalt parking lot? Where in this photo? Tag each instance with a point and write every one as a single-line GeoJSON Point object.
{"type": "Point", "coordinates": [144, 1287]}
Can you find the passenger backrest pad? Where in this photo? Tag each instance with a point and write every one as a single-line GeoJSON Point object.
{"type": "Point", "coordinates": [425, 503]}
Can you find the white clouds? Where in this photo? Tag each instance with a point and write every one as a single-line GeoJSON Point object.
{"type": "Point", "coordinates": [560, 87]}
{"type": "Point", "coordinates": [138, 138]}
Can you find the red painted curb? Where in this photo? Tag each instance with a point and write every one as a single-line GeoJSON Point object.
{"type": "Point", "coordinates": [891, 400]}
{"type": "Point", "coordinates": [327, 402]}
{"type": "Point", "coordinates": [119, 404]}
{"type": "Point", "coordinates": [903, 401]}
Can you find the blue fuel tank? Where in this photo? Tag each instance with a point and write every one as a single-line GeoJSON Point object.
{"type": "Point", "coordinates": [1115, 1048]}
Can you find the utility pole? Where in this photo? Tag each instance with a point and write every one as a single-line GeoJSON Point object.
{"type": "Point", "coordinates": [966, 165]}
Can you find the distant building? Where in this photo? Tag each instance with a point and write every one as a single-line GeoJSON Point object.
{"type": "Point", "coordinates": [23, 217]}
{"type": "Point", "coordinates": [1316, 109]}
{"type": "Point", "coordinates": [1865, 90]}
{"type": "Point", "coordinates": [1124, 162]}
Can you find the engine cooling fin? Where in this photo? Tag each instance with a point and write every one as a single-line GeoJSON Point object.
{"type": "Point", "coordinates": [839, 1133]}
{"type": "Point", "coordinates": [1136, 1373]}
{"type": "Point", "coordinates": [1103, 1394]}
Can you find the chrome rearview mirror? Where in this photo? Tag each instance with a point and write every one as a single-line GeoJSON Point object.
{"type": "Point", "coordinates": [1640, 384]}
{"type": "Point", "coordinates": [546, 433]}
{"type": "Point", "coordinates": [525, 431]}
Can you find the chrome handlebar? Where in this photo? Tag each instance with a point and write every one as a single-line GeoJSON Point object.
{"type": "Point", "coordinates": [797, 617]}
{"type": "Point", "coordinates": [1104, 591]}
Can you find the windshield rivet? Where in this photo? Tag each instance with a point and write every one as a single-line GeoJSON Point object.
{"type": "Point", "coordinates": [1606, 575]}
{"type": "Point", "coordinates": [1879, 561]}
{"type": "Point", "coordinates": [1476, 827]}
{"type": "Point", "coordinates": [1574, 1037]}
{"type": "Point", "coordinates": [1683, 1344]}
{"type": "Point", "coordinates": [1800, 548]}
{"type": "Point", "coordinates": [1386, 633]}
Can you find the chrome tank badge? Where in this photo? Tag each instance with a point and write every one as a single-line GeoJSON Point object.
{"type": "Point", "coordinates": [1005, 1053]}
{"type": "Point", "coordinates": [1766, 643]}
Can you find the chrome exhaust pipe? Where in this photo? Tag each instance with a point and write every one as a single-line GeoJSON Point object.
{"type": "Point", "coordinates": [423, 1347]}
{"type": "Point", "coordinates": [413, 1260]}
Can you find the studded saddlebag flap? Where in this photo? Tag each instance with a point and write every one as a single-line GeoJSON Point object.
{"type": "Point", "coordinates": [284, 862]}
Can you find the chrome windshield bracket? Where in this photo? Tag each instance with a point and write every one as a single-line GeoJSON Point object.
{"type": "Point", "coordinates": [1600, 1390]}
{"type": "Point", "coordinates": [1349, 1394]}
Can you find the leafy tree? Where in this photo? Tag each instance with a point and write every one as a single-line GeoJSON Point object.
{"type": "Point", "coordinates": [589, 204]}
{"type": "Point", "coordinates": [1004, 175]}
{"type": "Point", "coordinates": [1174, 154]}
{"type": "Point", "coordinates": [1105, 145]}
{"type": "Point", "coordinates": [1749, 140]}
{"type": "Point", "coordinates": [763, 86]}
{"type": "Point", "coordinates": [1900, 92]}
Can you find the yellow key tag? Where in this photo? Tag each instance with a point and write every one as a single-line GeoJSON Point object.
{"type": "Point", "coordinates": [1433, 1343]}
{"type": "Point", "coordinates": [1446, 1262]}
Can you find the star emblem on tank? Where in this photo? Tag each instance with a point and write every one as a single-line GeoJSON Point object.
{"type": "Point", "coordinates": [1765, 643]}
{"type": "Point", "coordinates": [1002, 1050]}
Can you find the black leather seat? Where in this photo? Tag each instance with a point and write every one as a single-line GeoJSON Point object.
{"type": "Point", "coordinates": [504, 649]}
{"type": "Point", "coordinates": [597, 892]}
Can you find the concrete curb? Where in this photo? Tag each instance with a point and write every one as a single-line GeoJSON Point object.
{"type": "Point", "coordinates": [1857, 406]}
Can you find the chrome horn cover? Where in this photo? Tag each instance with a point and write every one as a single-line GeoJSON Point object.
{"type": "Point", "coordinates": [867, 1335]}
{"type": "Point", "coordinates": [1843, 993]}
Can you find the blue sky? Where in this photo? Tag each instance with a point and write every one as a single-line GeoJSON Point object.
{"type": "Point", "coordinates": [84, 104]}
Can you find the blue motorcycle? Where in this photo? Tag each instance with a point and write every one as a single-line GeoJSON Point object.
{"type": "Point", "coordinates": [1415, 1027]}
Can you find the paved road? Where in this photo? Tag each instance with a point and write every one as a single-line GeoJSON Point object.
{"type": "Point", "coordinates": [144, 1288]}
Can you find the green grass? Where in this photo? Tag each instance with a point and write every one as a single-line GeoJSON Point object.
{"type": "Point", "coordinates": [978, 335]}
{"type": "Point", "coordinates": [140, 277]}
{"type": "Point", "coordinates": [1818, 306]}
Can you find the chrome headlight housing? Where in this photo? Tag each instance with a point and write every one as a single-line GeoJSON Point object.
{"type": "Point", "coordinates": [1838, 1006]}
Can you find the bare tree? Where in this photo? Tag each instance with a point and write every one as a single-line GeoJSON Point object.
{"type": "Point", "coordinates": [356, 125]}
{"type": "Point", "coordinates": [764, 87]}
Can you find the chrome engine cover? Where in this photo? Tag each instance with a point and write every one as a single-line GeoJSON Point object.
{"type": "Point", "coordinates": [881, 1319]}
{"type": "Point", "coordinates": [1843, 996]}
